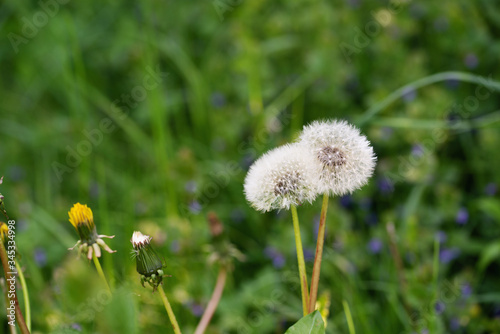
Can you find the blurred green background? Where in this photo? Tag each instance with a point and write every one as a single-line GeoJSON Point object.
{"type": "Point", "coordinates": [151, 112]}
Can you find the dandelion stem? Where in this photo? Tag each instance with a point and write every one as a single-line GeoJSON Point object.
{"type": "Point", "coordinates": [170, 313]}
{"type": "Point", "coordinates": [99, 270]}
{"type": "Point", "coordinates": [26, 297]}
{"type": "Point", "coordinates": [301, 262]}
{"type": "Point", "coordinates": [348, 316]}
{"type": "Point", "coordinates": [214, 301]}
{"type": "Point", "coordinates": [8, 276]}
{"type": "Point", "coordinates": [319, 255]}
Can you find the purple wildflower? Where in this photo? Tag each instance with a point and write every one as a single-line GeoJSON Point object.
{"type": "Point", "coordinates": [375, 245]}
{"type": "Point", "coordinates": [218, 100]}
{"type": "Point", "coordinates": [195, 207]}
{"type": "Point", "coordinates": [409, 95]}
{"type": "Point", "coordinates": [276, 256]}
{"type": "Point", "coordinates": [454, 324]}
{"type": "Point", "coordinates": [490, 189]}
{"type": "Point", "coordinates": [466, 290]}
{"type": "Point", "coordinates": [471, 61]}
{"type": "Point", "coordinates": [175, 246]}
{"type": "Point", "coordinates": [462, 216]}
{"type": "Point", "coordinates": [385, 185]}
{"type": "Point", "coordinates": [446, 255]}
{"type": "Point", "coordinates": [417, 150]}
{"type": "Point", "coordinates": [439, 307]}
{"type": "Point", "coordinates": [40, 256]}
{"type": "Point", "coordinates": [441, 236]}
{"type": "Point", "coordinates": [309, 254]}
{"type": "Point", "coordinates": [191, 186]}
{"type": "Point", "coordinates": [346, 201]}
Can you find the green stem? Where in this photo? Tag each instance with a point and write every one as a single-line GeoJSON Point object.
{"type": "Point", "coordinates": [25, 296]}
{"type": "Point", "coordinates": [301, 262]}
{"type": "Point", "coordinates": [99, 270]}
{"type": "Point", "coordinates": [348, 316]}
{"type": "Point", "coordinates": [8, 276]}
{"type": "Point", "coordinates": [170, 313]}
{"type": "Point", "coordinates": [319, 255]}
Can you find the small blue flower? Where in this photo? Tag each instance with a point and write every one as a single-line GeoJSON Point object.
{"type": "Point", "coordinates": [446, 255]}
{"type": "Point", "coordinates": [454, 324]}
{"type": "Point", "coordinates": [40, 257]}
{"type": "Point", "coordinates": [417, 150]}
{"type": "Point", "coordinates": [195, 207]}
{"type": "Point", "coordinates": [490, 189]}
{"type": "Point", "coordinates": [309, 254]}
{"type": "Point", "coordinates": [471, 61]}
{"type": "Point", "coordinates": [346, 201]}
{"type": "Point", "coordinates": [191, 186]}
{"type": "Point", "coordinates": [375, 245]}
{"type": "Point", "coordinates": [409, 95]}
{"type": "Point", "coordinates": [466, 290]}
{"type": "Point", "coordinates": [441, 236]}
{"type": "Point", "coordinates": [76, 327]}
{"type": "Point", "coordinates": [385, 185]}
{"type": "Point", "coordinates": [218, 100]}
{"type": "Point", "coordinates": [439, 307]}
{"type": "Point", "coordinates": [175, 246]}
{"type": "Point", "coordinates": [195, 308]}
{"type": "Point", "coordinates": [462, 216]}
{"type": "Point", "coordinates": [276, 256]}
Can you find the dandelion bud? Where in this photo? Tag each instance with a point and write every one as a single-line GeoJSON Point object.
{"type": "Point", "coordinates": [344, 156]}
{"type": "Point", "coordinates": [148, 263]}
{"type": "Point", "coordinates": [81, 217]}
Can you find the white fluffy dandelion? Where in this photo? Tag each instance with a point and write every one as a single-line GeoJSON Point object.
{"type": "Point", "coordinates": [344, 155]}
{"type": "Point", "coordinates": [284, 176]}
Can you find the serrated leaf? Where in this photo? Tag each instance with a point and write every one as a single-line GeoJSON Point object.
{"type": "Point", "coordinates": [310, 324]}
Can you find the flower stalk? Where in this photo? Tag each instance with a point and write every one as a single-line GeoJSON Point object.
{"type": "Point", "coordinates": [319, 255]}
{"type": "Point", "coordinates": [26, 298]}
{"type": "Point", "coordinates": [99, 270]}
{"type": "Point", "coordinates": [300, 259]}
{"type": "Point", "coordinates": [8, 276]}
{"type": "Point", "coordinates": [170, 312]}
{"type": "Point", "coordinates": [214, 301]}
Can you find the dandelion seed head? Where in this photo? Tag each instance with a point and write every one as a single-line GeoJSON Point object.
{"type": "Point", "coordinates": [284, 176]}
{"type": "Point", "coordinates": [345, 157]}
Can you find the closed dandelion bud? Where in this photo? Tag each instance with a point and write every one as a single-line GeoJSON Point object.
{"type": "Point", "coordinates": [81, 217]}
{"type": "Point", "coordinates": [344, 156]}
{"type": "Point", "coordinates": [148, 263]}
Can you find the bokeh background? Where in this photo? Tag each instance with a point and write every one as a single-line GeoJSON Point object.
{"type": "Point", "coordinates": [151, 112]}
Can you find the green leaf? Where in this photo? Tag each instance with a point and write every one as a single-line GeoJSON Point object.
{"type": "Point", "coordinates": [310, 324]}
{"type": "Point", "coordinates": [489, 254]}
{"type": "Point", "coordinates": [490, 206]}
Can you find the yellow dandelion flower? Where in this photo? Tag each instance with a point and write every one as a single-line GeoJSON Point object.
{"type": "Point", "coordinates": [81, 217]}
